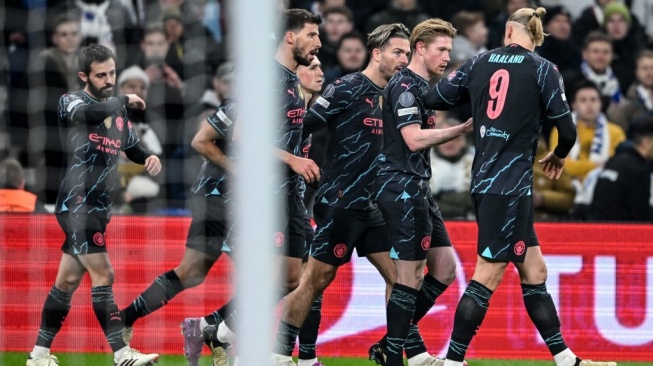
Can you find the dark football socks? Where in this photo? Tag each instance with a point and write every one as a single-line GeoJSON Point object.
{"type": "Point", "coordinates": [162, 290]}
{"type": "Point", "coordinates": [55, 310]}
{"type": "Point", "coordinates": [399, 315]}
{"type": "Point", "coordinates": [543, 314]}
{"type": "Point", "coordinates": [469, 315]}
{"type": "Point", "coordinates": [309, 330]}
{"type": "Point", "coordinates": [108, 315]}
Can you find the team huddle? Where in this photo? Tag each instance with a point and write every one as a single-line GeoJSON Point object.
{"type": "Point", "coordinates": [372, 195]}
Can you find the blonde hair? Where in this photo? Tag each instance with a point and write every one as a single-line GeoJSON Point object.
{"type": "Point", "coordinates": [380, 36]}
{"type": "Point", "coordinates": [532, 21]}
{"type": "Point", "coordinates": [428, 30]}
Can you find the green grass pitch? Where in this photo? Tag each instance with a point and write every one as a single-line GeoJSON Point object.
{"type": "Point", "coordinates": [95, 359]}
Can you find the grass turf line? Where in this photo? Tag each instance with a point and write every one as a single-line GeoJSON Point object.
{"type": "Point", "coordinates": [97, 359]}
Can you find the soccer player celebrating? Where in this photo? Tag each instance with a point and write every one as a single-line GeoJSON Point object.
{"type": "Point", "coordinates": [209, 234]}
{"type": "Point", "coordinates": [415, 226]}
{"type": "Point", "coordinates": [345, 213]}
{"type": "Point", "coordinates": [94, 128]}
{"type": "Point", "coordinates": [298, 43]}
{"type": "Point", "coordinates": [512, 90]}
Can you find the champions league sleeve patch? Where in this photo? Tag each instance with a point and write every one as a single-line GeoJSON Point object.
{"type": "Point", "coordinates": [406, 99]}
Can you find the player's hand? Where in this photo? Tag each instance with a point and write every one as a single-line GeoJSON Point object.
{"type": "Point", "coordinates": [153, 165]}
{"type": "Point", "coordinates": [135, 101]}
{"type": "Point", "coordinates": [306, 168]}
{"type": "Point", "coordinates": [468, 126]}
{"type": "Point", "coordinates": [552, 166]}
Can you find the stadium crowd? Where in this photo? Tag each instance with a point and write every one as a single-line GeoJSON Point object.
{"type": "Point", "coordinates": [168, 52]}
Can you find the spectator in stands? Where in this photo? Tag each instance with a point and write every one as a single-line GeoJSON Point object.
{"type": "Point", "coordinates": [591, 19]}
{"type": "Point", "coordinates": [471, 38]}
{"type": "Point", "coordinates": [643, 10]}
{"type": "Point", "coordinates": [597, 57]}
{"type": "Point", "coordinates": [57, 68]}
{"type": "Point", "coordinates": [559, 47]}
{"type": "Point", "coordinates": [498, 25]}
{"type": "Point", "coordinates": [351, 54]}
{"type": "Point", "coordinates": [597, 138]}
{"type": "Point", "coordinates": [337, 21]}
{"type": "Point", "coordinates": [318, 7]}
{"type": "Point", "coordinates": [407, 12]}
{"type": "Point", "coordinates": [639, 97]}
{"type": "Point", "coordinates": [623, 188]}
{"type": "Point", "coordinates": [552, 199]}
{"type": "Point", "coordinates": [451, 164]}
{"type": "Point", "coordinates": [104, 22]}
{"type": "Point", "coordinates": [140, 189]}
{"type": "Point", "coordinates": [190, 75]}
{"type": "Point", "coordinates": [627, 41]}
{"type": "Point", "coordinates": [13, 196]}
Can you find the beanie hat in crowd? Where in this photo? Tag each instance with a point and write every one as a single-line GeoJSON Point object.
{"type": "Point", "coordinates": [617, 8]}
{"type": "Point", "coordinates": [554, 11]}
{"type": "Point", "coordinates": [134, 72]}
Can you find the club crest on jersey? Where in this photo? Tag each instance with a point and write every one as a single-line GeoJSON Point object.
{"type": "Point", "coordinates": [380, 101]}
{"type": "Point", "coordinates": [328, 92]}
{"type": "Point", "coordinates": [482, 131]}
{"type": "Point", "coordinates": [451, 75]}
{"type": "Point", "coordinates": [406, 99]}
{"type": "Point", "coordinates": [107, 122]}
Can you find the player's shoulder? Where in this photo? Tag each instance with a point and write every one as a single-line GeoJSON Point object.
{"type": "Point", "coordinates": [341, 84]}
{"type": "Point", "coordinates": [229, 107]}
{"type": "Point", "coordinates": [349, 79]}
{"type": "Point", "coordinates": [70, 100]}
{"type": "Point", "coordinates": [405, 81]}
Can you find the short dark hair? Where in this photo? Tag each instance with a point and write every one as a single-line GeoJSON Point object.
{"type": "Point", "coordinates": [94, 53]}
{"type": "Point", "coordinates": [586, 84]}
{"type": "Point", "coordinates": [343, 10]}
{"type": "Point", "coordinates": [352, 35]}
{"type": "Point", "coordinates": [464, 20]}
{"type": "Point", "coordinates": [62, 19]}
{"type": "Point", "coordinates": [11, 174]}
{"type": "Point", "coordinates": [294, 20]}
{"type": "Point", "coordinates": [155, 27]}
{"type": "Point", "coordinates": [596, 36]}
{"type": "Point", "coordinates": [640, 127]}
{"type": "Point", "coordinates": [380, 36]}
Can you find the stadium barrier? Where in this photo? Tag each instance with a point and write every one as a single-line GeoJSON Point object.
{"type": "Point", "coordinates": [600, 277]}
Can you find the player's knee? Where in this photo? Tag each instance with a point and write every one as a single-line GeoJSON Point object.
{"type": "Point", "coordinates": [444, 273]}
{"type": "Point", "coordinates": [189, 276]}
{"type": "Point", "coordinates": [325, 275]}
{"type": "Point", "coordinates": [68, 283]}
{"type": "Point", "coordinates": [104, 278]}
{"type": "Point", "coordinates": [534, 276]}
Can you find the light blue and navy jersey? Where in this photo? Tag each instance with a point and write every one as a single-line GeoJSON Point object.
{"type": "Point", "coordinates": [512, 90]}
{"type": "Point", "coordinates": [289, 134]}
{"type": "Point", "coordinates": [212, 180]}
{"type": "Point", "coordinates": [404, 173]}
{"type": "Point", "coordinates": [351, 108]}
{"type": "Point", "coordinates": [93, 133]}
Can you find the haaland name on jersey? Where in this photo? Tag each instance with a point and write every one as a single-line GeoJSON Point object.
{"type": "Point", "coordinates": [505, 59]}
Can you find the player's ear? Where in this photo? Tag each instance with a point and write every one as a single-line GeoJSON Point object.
{"type": "Point", "coordinates": [82, 76]}
{"type": "Point", "coordinates": [376, 54]}
{"type": "Point", "coordinates": [290, 37]}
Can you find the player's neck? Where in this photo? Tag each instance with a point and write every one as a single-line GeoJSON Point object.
{"type": "Point", "coordinates": [521, 40]}
{"type": "Point", "coordinates": [374, 74]}
{"type": "Point", "coordinates": [417, 66]}
{"type": "Point", "coordinates": [286, 59]}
